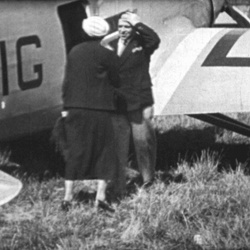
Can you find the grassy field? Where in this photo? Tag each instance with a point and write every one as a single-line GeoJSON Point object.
{"type": "Point", "coordinates": [200, 200]}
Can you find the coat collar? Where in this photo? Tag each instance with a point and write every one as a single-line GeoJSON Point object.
{"type": "Point", "coordinates": [127, 51]}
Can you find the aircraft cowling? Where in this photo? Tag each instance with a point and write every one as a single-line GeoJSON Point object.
{"type": "Point", "coordinates": [200, 12]}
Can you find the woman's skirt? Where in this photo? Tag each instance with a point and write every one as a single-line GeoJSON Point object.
{"type": "Point", "coordinates": [90, 145]}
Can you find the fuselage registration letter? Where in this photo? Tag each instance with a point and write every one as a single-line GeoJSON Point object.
{"type": "Point", "coordinates": [37, 69]}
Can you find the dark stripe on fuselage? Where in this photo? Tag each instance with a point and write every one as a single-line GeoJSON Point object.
{"type": "Point", "coordinates": [218, 56]}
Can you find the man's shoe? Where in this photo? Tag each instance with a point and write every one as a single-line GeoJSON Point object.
{"type": "Point", "coordinates": [104, 205]}
{"type": "Point", "coordinates": [66, 205]}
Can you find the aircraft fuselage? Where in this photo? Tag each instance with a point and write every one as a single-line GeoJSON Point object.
{"type": "Point", "coordinates": [35, 41]}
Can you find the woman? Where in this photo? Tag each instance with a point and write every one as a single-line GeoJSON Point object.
{"type": "Point", "coordinates": [88, 96]}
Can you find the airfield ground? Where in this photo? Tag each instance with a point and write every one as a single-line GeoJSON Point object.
{"type": "Point", "coordinates": [206, 207]}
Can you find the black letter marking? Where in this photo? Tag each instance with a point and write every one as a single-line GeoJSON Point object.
{"type": "Point", "coordinates": [218, 56]}
{"type": "Point", "coordinates": [23, 41]}
{"type": "Point", "coordinates": [5, 80]}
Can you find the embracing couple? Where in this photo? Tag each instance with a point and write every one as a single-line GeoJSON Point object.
{"type": "Point", "coordinates": [107, 97]}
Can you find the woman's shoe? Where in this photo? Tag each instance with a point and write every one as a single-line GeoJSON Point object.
{"type": "Point", "coordinates": [104, 205]}
{"type": "Point", "coordinates": [66, 205]}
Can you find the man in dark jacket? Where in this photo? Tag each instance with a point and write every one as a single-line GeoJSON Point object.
{"type": "Point", "coordinates": [135, 45]}
{"type": "Point", "coordinates": [88, 96]}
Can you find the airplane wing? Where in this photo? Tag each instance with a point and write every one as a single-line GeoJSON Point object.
{"type": "Point", "coordinates": [9, 187]}
{"type": "Point", "coordinates": [206, 73]}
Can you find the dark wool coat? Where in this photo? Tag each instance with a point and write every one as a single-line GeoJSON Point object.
{"type": "Point", "coordinates": [90, 77]}
{"type": "Point", "coordinates": [88, 95]}
{"type": "Point", "coordinates": [134, 63]}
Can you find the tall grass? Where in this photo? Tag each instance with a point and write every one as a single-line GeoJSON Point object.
{"type": "Point", "coordinates": [208, 209]}
{"type": "Point", "coordinates": [211, 205]}
{"type": "Point", "coordinates": [5, 157]}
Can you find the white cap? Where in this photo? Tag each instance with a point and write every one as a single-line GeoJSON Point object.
{"type": "Point", "coordinates": [95, 26]}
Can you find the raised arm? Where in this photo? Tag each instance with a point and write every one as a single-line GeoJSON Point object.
{"type": "Point", "coordinates": [149, 38]}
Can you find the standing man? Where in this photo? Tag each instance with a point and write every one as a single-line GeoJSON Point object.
{"type": "Point", "coordinates": [135, 45]}
{"type": "Point", "coordinates": [89, 98]}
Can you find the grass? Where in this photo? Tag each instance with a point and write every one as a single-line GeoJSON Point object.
{"type": "Point", "coordinates": [211, 204]}
{"type": "Point", "coordinates": [207, 208]}
{"type": "Point", "coordinates": [182, 137]}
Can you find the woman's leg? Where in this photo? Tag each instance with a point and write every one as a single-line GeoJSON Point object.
{"type": "Point", "coordinates": [68, 196]}
{"type": "Point", "coordinates": [101, 190]}
{"type": "Point", "coordinates": [69, 184]}
{"type": "Point", "coordinates": [101, 196]}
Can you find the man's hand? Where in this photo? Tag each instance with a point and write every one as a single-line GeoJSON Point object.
{"type": "Point", "coordinates": [131, 18]}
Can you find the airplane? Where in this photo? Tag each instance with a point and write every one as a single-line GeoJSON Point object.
{"type": "Point", "coordinates": [201, 68]}
{"type": "Point", "coordinates": [192, 72]}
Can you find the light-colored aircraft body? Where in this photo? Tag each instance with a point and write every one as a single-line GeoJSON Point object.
{"type": "Point", "coordinates": [9, 187]}
{"type": "Point", "coordinates": [196, 70]}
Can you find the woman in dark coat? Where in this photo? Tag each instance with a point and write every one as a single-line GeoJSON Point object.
{"type": "Point", "coordinates": [88, 95]}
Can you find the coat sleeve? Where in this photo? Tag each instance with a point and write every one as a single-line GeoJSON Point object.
{"type": "Point", "coordinates": [65, 82]}
{"type": "Point", "coordinates": [112, 63]}
{"type": "Point", "coordinates": [150, 40]}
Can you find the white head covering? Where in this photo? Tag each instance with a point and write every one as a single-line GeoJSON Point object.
{"type": "Point", "coordinates": [95, 26]}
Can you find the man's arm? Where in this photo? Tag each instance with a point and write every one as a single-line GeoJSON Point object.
{"type": "Point", "coordinates": [148, 36]}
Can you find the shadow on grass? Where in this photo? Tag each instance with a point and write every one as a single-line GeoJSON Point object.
{"type": "Point", "coordinates": [175, 146]}
{"type": "Point", "coordinates": [84, 196]}
{"type": "Point", "coordinates": [38, 156]}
